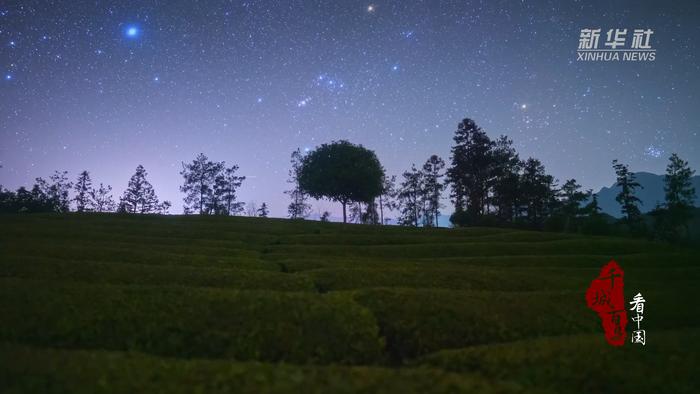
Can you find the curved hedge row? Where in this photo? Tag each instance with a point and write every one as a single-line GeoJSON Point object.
{"type": "Point", "coordinates": [24, 369]}
{"type": "Point", "coordinates": [190, 322]}
{"type": "Point", "coordinates": [416, 322]}
{"type": "Point", "coordinates": [666, 364]}
{"type": "Point", "coordinates": [150, 274]}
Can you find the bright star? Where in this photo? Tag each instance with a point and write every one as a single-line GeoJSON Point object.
{"type": "Point", "coordinates": [132, 31]}
{"type": "Point", "coordinates": [523, 106]}
{"type": "Point", "coordinates": [8, 77]}
{"type": "Point", "coordinates": [371, 8]}
{"type": "Point", "coordinates": [156, 78]}
{"type": "Point", "coordinates": [395, 67]}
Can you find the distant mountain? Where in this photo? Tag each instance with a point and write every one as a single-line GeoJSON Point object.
{"type": "Point", "coordinates": [652, 193]}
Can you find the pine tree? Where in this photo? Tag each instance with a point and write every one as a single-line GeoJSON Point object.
{"type": "Point", "coordinates": [626, 198]}
{"type": "Point", "coordinates": [82, 188]}
{"type": "Point", "coordinates": [409, 197]}
{"type": "Point", "coordinates": [298, 208]}
{"type": "Point", "coordinates": [504, 179]}
{"type": "Point", "coordinates": [139, 196]}
{"type": "Point", "coordinates": [225, 190]}
{"type": "Point", "coordinates": [678, 183]}
{"type": "Point", "coordinates": [537, 192]}
{"type": "Point", "coordinates": [263, 211]}
{"type": "Point", "coordinates": [199, 181]}
{"type": "Point", "coordinates": [680, 199]}
{"type": "Point", "coordinates": [469, 171]}
{"type": "Point", "coordinates": [432, 189]}
{"type": "Point", "coordinates": [571, 198]}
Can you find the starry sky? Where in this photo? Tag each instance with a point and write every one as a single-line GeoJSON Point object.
{"type": "Point", "coordinates": [105, 87]}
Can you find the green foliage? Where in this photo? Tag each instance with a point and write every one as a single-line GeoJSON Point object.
{"type": "Point", "coordinates": [342, 172]}
{"type": "Point", "coordinates": [26, 369]}
{"type": "Point", "coordinates": [584, 362]}
{"type": "Point", "coordinates": [141, 303]}
{"type": "Point", "coordinates": [189, 322]}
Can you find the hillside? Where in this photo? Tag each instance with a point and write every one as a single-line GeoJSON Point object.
{"type": "Point", "coordinates": [169, 304]}
{"type": "Point", "coordinates": [652, 191]}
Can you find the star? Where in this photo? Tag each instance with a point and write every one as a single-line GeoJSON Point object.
{"type": "Point", "coordinates": [8, 77]}
{"type": "Point", "coordinates": [371, 8]}
{"type": "Point", "coordinates": [132, 31]}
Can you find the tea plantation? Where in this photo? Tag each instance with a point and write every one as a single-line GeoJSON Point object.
{"type": "Point", "coordinates": [174, 304]}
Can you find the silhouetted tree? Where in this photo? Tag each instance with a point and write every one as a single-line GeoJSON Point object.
{"type": "Point", "coordinates": [680, 199]}
{"type": "Point", "coordinates": [57, 191]}
{"type": "Point", "coordinates": [251, 209]}
{"type": "Point", "coordinates": [139, 196]}
{"type": "Point", "coordinates": [199, 181]}
{"type": "Point", "coordinates": [325, 216]}
{"type": "Point", "coordinates": [263, 211]}
{"type": "Point", "coordinates": [409, 197]}
{"type": "Point", "coordinates": [342, 172]}
{"type": "Point", "coordinates": [432, 189]}
{"type": "Point", "coordinates": [504, 179]}
{"type": "Point", "coordinates": [678, 183]}
{"type": "Point", "coordinates": [82, 188]}
{"type": "Point", "coordinates": [571, 198]}
{"type": "Point", "coordinates": [626, 198]}
{"type": "Point", "coordinates": [231, 182]}
{"type": "Point", "coordinates": [468, 174]}
{"type": "Point", "coordinates": [101, 199]}
{"type": "Point", "coordinates": [387, 199]}
{"type": "Point", "coordinates": [537, 192]}
{"type": "Point", "coordinates": [299, 207]}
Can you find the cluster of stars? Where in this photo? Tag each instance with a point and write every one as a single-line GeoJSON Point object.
{"type": "Point", "coordinates": [243, 81]}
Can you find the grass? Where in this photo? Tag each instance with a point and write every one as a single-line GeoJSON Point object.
{"type": "Point", "coordinates": [112, 303]}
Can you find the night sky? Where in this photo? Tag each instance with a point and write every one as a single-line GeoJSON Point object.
{"type": "Point", "coordinates": [89, 85]}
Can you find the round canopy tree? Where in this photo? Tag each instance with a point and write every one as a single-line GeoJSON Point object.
{"type": "Point", "coordinates": [342, 172]}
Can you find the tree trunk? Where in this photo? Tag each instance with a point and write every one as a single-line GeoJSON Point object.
{"type": "Point", "coordinates": [345, 220]}
{"type": "Point", "coordinates": [381, 210]}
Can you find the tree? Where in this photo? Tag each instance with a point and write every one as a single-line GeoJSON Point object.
{"type": "Point", "coordinates": [409, 197]}
{"type": "Point", "coordinates": [263, 211]}
{"type": "Point", "coordinates": [537, 192]}
{"type": "Point", "coordinates": [678, 183]}
{"type": "Point", "coordinates": [325, 216]}
{"type": "Point", "coordinates": [226, 183]}
{"type": "Point", "coordinates": [626, 198]}
{"type": "Point", "coordinates": [387, 199]}
{"type": "Point", "coordinates": [139, 196]}
{"type": "Point", "coordinates": [101, 199]}
{"type": "Point", "coordinates": [251, 209]}
{"type": "Point", "coordinates": [199, 179]}
{"type": "Point", "coordinates": [571, 198]}
{"type": "Point", "coordinates": [469, 171]}
{"type": "Point", "coordinates": [342, 172]}
{"type": "Point", "coordinates": [680, 199]}
{"type": "Point", "coordinates": [298, 208]}
{"type": "Point", "coordinates": [432, 188]}
{"type": "Point", "coordinates": [504, 179]}
{"type": "Point", "coordinates": [57, 192]}
{"type": "Point", "coordinates": [82, 188]}
{"type": "Point", "coordinates": [594, 223]}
